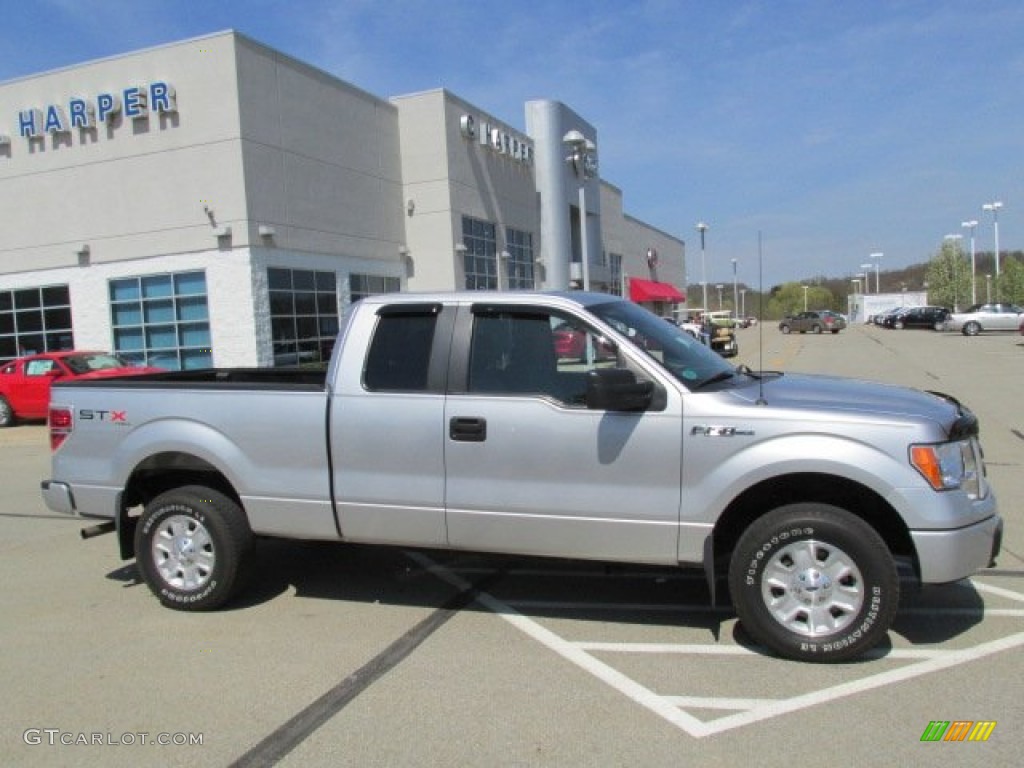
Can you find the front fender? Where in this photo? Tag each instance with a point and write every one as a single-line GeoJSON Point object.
{"type": "Point", "coordinates": [711, 485]}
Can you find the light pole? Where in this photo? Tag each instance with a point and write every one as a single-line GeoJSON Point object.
{"type": "Point", "coordinates": [955, 239]}
{"type": "Point", "coordinates": [702, 228]}
{"type": "Point", "coordinates": [994, 208]}
{"type": "Point", "coordinates": [743, 302]}
{"type": "Point", "coordinates": [988, 289]}
{"type": "Point", "coordinates": [972, 225]}
{"type": "Point", "coordinates": [719, 287]}
{"type": "Point", "coordinates": [581, 159]}
{"type": "Point", "coordinates": [805, 298]}
{"type": "Point", "coordinates": [735, 293]}
{"type": "Point", "coordinates": [877, 257]}
{"type": "Point", "coordinates": [867, 278]}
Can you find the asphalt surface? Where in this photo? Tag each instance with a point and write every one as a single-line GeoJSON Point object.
{"type": "Point", "coordinates": [358, 656]}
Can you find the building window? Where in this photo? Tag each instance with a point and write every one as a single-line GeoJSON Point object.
{"type": "Point", "coordinates": [615, 274]}
{"type": "Point", "coordinates": [480, 265]}
{"type": "Point", "coordinates": [520, 260]}
{"type": "Point", "coordinates": [361, 286]}
{"type": "Point", "coordinates": [34, 320]}
{"type": "Point", "coordinates": [162, 320]}
{"type": "Point", "coordinates": [303, 315]}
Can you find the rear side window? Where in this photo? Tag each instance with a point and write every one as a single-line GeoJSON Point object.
{"type": "Point", "coordinates": [399, 355]}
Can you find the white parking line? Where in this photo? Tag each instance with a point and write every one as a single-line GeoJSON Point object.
{"type": "Point", "coordinates": [670, 707]}
{"type": "Point", "coordinates": [738, 650]}
{"type": "Point", "coordinates": [681, 608]}
{"type": "Point", "coordinates": [1000, 591]}
{"type": "Point", "coordinates": [862, 685]}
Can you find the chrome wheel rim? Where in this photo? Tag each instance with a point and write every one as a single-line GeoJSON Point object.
{"type": "Point", "coordinates": [183, 553]}
{"type": "Point", "coordinates": [812, 588]}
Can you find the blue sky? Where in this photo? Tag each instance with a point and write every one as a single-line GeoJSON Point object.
{"type": "Point", "coordinates": [836, 129]}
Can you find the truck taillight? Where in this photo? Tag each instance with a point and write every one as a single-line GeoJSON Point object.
{"type": "Point", "coordinates": [61, 424]}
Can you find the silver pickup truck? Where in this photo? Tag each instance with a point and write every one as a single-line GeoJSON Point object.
{"type": "Point", "coordinates": [567, 425]}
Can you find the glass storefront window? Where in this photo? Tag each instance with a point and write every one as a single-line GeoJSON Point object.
{"type": "Point", "coordinates": [35, 320]}
{"type": "Point", "coordinates": [303, 315]}
{"type": "Point", "coordinates": [162, 320]}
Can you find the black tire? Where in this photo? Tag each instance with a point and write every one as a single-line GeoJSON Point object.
{"type": "Point", "coordinates": [972, 329]}
{"type": "Point", "coordinates": [802, 554]}
{"type": "Point", "coordinates": [6, 413]}
{"type": "Point", "coordinates": [835, 331]}
{"type": "Point", "coordinates": [189, 546]}
{"type": "Point", "coordinates": [785, 328]}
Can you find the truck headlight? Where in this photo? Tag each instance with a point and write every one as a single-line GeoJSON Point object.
{"type": "Point", "coordinates": [948, 466]}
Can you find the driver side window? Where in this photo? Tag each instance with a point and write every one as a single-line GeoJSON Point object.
{"type": "Point", "coordinates": [535, 352]}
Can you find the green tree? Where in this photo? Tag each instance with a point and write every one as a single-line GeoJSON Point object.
{"type": "Point", "coordinates": [1011, 283]}
{"type": "Point", "coordinates": [949, 277]}
{"type": "Point", "coordinates": [788, 299]}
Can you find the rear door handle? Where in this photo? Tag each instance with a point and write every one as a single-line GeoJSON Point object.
{"type": "Point", "coordinates": [467, 429]}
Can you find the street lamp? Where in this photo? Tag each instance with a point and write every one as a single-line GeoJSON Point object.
{"type": "Point", "coordinates": [867, 278]}
{"type": "Point", "coordinates": [878, 274]}
{"type": "Point", "coordinates": [994, 208]}
{"type": "Point", "coordinates": [702, 228]}
{"type": "Point", "coordinates": [955, 239]}
{"type": "Point", "coordinates": [735, 293]}
{"type": "Point", "coordinates": [988, 289]}
{"type": "Point", "coordinates": [719, 287]}
{"type": "Point", "coordinates": [743, 302]}
{"type": "Point", "coordinates": [971, 225]}
{"type": "Point", "coordinates": [581, 160]}
{"type": "Point", "coordinates": [805, 298]}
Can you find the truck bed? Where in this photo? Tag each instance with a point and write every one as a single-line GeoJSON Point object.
{"type": "Point", "coordinates": [303, 379]}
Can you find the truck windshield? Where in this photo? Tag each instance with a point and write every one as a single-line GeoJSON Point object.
{"type": "Point", "coordinates": [676, 351]}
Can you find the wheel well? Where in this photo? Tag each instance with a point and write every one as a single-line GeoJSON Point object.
{"type": "Point", "coordinates": [810, 487]}
{"type": "Point", "coordinates": [159, 473]}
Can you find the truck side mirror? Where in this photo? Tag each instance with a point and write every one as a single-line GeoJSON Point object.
{"type": "Point", "coordinates": [617, 389]}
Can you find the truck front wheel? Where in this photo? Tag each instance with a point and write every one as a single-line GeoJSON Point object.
{"type": "Point", "coordinates": [189, 547]}
{"type": "Point", "coordinates": [813, 582]}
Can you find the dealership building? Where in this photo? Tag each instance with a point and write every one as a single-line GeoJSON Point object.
{"type": "Point", "coordinates": [217, 202]}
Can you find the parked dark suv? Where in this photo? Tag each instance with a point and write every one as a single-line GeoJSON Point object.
{"type": "Point", "coordinates": [933, 318]}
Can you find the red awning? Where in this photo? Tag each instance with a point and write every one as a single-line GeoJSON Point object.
{"type": "Point", "coordinates": [649, 290]}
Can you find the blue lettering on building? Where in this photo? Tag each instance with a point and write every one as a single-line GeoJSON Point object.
{"type": "Point", "coordinates": [30, 122]}
{"type": "Point", "coordinates": [107, 105]}
{"type": "Point", "coordinates": [56, 120]}
{"type": "Point", "coordinates": [81, 113]}
{"type": "Point", "coordinates": [162, 97]}
{"type": "Point", "coordinates": [134, 102]}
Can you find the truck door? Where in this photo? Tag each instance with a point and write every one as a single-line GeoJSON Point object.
{"type": "Point", "coordinates": [530, 469]}
{"type": "Point", "coordinates": [386, 426]}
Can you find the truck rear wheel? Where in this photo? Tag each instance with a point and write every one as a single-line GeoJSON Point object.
{"type": "Point", "coordinates": [813, 582]}
{"type": "Point", "coordinates": [189, 547]}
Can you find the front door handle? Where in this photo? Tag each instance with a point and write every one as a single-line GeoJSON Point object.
{"type": "Point", "coordinates": [467, 429]}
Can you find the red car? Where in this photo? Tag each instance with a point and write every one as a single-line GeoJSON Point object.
{"type": "Point", "coordinates": [571, 344]}
{"type": "Point", "coordinates": [25, 382]}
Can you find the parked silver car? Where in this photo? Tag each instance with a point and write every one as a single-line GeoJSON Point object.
{"type": "Point", "coordinates": [985, 317]}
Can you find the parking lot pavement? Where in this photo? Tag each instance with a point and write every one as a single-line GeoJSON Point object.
{"type": "Point", "coordinates": [347, 655]}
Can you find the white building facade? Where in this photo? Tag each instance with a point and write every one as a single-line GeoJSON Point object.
{"type": "Point", "coordinates": [216, 202]}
